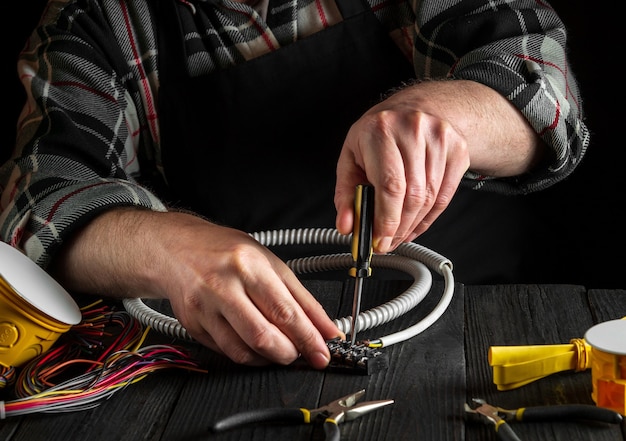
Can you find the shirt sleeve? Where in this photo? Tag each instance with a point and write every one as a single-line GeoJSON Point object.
{"type": "Point", "coordinates": [517, 48]}
{"type": "Point", "coordinates": [90, 73]}
{"type": "Point", "coordinates": [80, 130]}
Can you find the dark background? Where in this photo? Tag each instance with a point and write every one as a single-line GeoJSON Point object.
{"type": "Point", "coordinates": [582, 240]}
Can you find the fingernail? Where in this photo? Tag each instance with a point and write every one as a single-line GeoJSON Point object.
{"type": "Point", "coordinates": [319, 360]}
{"type": "Point", "coordinates": [383, 244]}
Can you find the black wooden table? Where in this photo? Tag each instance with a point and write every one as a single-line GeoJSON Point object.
{"type": "Point", "coordinates": [429, 377]}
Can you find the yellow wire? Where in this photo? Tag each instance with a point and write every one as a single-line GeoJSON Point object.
{"type": "Point", "coordinates": [142, 339]}
{"type": "Point", "coordinates": [92, 305]}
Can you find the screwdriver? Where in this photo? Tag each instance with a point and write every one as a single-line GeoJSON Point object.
{"type": "Point", "coordinates": [361, 246]}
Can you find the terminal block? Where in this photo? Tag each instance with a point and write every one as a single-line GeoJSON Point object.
{"type": "Point", "coordinates": [358, 358]}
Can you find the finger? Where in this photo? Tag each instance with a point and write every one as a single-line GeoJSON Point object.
{"type": "Point", "coordinates": [386, 172]}
{"type": "Point", "coordinates": [349, 175]}
{"type": "Point", "coordinates": [312, 308]}
{"type": "Point", "coordinates": [214, 331]}
{"type": "Point", "coordinates": [223, 339]}
{"type": "Point", "coordinates": [281, 308]}
{"type": "Point", "coordinates": [446, 160]}
{"type": "Point", "coordinates": [370, 155]}
{"type": "Point", "coordinates": [256, 318]}
{"type": "Point", "coordinates": [416, 172]}
{"type": "Point", "coordinates": [447, 189]}
{"type": "Point", "coordinates": [423, 189]}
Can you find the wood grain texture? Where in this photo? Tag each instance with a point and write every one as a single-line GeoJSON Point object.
{"type": "Point", "coordinates": [530, 315]}
{"type": "Point", "coordinates": [430, 376]}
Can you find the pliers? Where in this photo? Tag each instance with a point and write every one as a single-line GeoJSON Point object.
{"type": "Point", "coordinates": [499, 417]}
{"type": "Point", "coordinates": [333, 414]}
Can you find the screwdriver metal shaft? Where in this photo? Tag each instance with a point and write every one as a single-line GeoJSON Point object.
{"type": "Point", "coordinates": [361, 247]}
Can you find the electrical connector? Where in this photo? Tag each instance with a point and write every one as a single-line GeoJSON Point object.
{"type": "Point", "coordinates": [358, 358]}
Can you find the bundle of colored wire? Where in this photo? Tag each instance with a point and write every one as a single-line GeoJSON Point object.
{"type": "Point", "coordinates": [82, 370]}
{"type": "Point", "coordinates": [7, 376]}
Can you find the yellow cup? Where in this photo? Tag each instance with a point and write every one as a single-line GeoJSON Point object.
{"type": "Point", "coordinates": [608, 364]}
{"type": "Point", "coordinates": [34, 309]}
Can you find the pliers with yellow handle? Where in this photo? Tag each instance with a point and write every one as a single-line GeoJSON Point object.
{"type": "Point", "coordinates": [500, 417]}
{"type": "Point", "coordinates": [332, 414]}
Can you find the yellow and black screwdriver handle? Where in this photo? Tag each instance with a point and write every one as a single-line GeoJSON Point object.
{"type": "Point", "coordinates": [362, 231]}
{"type": "Point", "coordinates": [361, 247]}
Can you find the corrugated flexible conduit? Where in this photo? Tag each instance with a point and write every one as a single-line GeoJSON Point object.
{"type": "Point", "coordinates": [410, 258]}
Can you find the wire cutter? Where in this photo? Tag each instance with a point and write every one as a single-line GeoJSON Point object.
{"type": "Point", "coordinates": [333, 414]}
{"type": "Point", "coordinates": [500, 417]}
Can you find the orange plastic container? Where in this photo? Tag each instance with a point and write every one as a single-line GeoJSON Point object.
{"type": "Point", "coordinates": [34, 309]}
{"type": "Point", "coordinates": [608, 364]}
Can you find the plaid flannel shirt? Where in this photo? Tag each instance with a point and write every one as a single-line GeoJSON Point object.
{"type": "Point", "coordinates": [90, 71]}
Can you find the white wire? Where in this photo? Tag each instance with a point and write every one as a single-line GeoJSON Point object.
{"type": "Point", "coordinates": [410, 258]}
{"type": "Point", "coordinates": [430, 319]}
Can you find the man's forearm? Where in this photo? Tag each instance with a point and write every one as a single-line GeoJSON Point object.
{"type": "Point", "coordinates": [99, 259]}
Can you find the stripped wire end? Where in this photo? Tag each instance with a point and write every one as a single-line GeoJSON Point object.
{"type": "Point", "coordinates": [361, 358]}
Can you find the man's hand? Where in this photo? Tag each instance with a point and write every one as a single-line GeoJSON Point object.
{"type": "Point", "coordinates": [230, 293]}
{"type": "Point", "coordinates": [415, 146]}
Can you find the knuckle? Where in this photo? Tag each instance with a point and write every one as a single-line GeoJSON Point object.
{"type": "Point", "coordinates": [430, 196]}
{"type": "Point", "coordinates": [390, 224]}
{"type": "Point", "coordinates": [442, 201]}
{"type": "Point", "coordinates": [258, 343]}
{"type": "Point", "coordinates": [241, 255]}
{"type": "Point", "coordinates": [283, 315]}
{"type": "Point", "coordinates": [382, 121]}
{"type": "Point", "coordinates": [265, 344]}
{"type": "Point", "coordinates": [381, 126]}
{"type": "Point", "coordinates": [242, 355]}
{"type": "Point", "coordinates": [193, 302]}
{"type": "Point", "coordinates": [306, 340]}
{"type": "Point", "coordinates": [424, 225]}
{"type": "Point", "coordinates": [416, 195]}
{"type": "Point", "coordinates": [393, 185]}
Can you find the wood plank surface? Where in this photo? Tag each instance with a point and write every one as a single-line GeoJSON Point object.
{"type": "Point", "coordinates": [532, 315]}
{"type": "Point", "coordinates": [426, 378]}
{"type": "Point", "coordinates": [607, 304]}
{"type": "Point", "coordinates": [430, 376]}
{"type": "Point", "coordinates": [421, 379]}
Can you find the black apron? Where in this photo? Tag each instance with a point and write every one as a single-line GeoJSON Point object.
{"type": "Point", "coordinates": [255, 146]}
